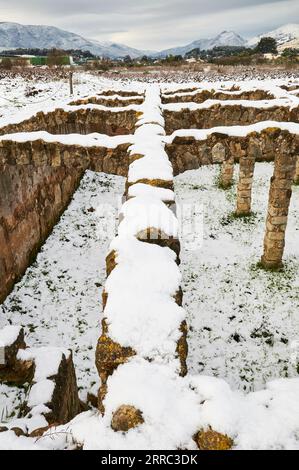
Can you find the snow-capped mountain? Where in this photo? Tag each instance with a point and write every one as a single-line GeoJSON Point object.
{"type": "Point", "coordinates": [14, 35]}
{"type": "Point", "coordinates": [286, 36]}
{"type": "Point", "coordinates": [226, 38]}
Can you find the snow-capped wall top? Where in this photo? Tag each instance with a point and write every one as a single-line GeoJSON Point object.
{"type": "Point", "coordinates": [15, 35]}
{"type": "Point", "coordinates": [284, 35]}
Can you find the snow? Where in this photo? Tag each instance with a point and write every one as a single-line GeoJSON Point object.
{"type": "Point", "coordinates": [8, 335]}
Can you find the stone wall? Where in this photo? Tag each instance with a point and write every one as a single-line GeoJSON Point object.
{"type": "Point", "coordinates": [80, 121]}
{"type": "Point", "coordinates": [32, 200]}
{"type": "Point", "coordinates": [108, 102]}
{"type": "Point", "coordinates": [226, 115]}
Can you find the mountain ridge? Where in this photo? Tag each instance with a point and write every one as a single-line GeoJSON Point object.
{"type": "Point", "coordinates": [16, 35]}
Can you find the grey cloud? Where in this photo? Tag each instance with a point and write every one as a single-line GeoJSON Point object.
{"type": "Point", "coordinates": [153, 24]}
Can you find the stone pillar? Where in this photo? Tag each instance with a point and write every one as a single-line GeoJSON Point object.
{"type": "Point", "coordinates": [227, 170]}
{"type": "Point", "coordinates": [278, 206]}
{"type": "Point", "coordinates": [244, 190]}
{"type": "Point", "coordinates": [296, 178]}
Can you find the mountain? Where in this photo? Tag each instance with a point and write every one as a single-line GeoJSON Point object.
{"type": "Point", "coordinates": [286, 36]}
{"type": "Point", "coordinates": [14, 36]}
{"type": "Point", "coordinates": [226, 38]}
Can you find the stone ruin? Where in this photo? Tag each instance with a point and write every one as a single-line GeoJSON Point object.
{"type": "Point", "coordinates": [148, 142]}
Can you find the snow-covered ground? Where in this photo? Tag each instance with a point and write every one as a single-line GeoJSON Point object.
{"type": "Point", "coordinates": [244, 322]}
{"type": "Point", "coordinates": [58, 301]}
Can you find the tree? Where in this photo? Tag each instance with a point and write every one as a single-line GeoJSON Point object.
{"type": "Point", "coordinates": [266, 45]}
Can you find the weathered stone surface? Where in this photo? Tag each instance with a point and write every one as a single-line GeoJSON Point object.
{"type": "Point", "coordinates": [212, 440]}
{"type": "Point", "coordinates": [19, 373]}
{"type": "Point", "coordinates": [126, 417]}
{"type": "Point", "coordinates": [47, 429]}
{"type": "Point", "coordinates": [227, 171]}
{"type": "Point", "coordinates": [39, 153]}
{"type": "Point", "coordinates": [110, 262]}
{"type": "Point", "coordinates": [296, 178]}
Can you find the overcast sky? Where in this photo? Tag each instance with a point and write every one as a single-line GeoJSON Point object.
{"type": "Point", "coordinates": [153, 24]}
